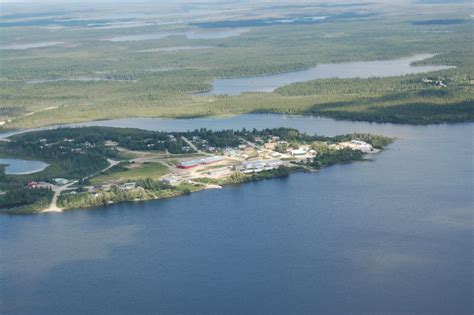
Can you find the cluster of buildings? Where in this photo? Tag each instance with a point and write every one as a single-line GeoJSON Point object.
{"type": "Point", "coordinates": [203, 161]}
{"type": "Point", "coordinates": [170, 180]}
{"type": "Point", "coordinates": [258, 166]}
{"type": "Point", "coordinates": [34, 185]}
{"type": "Point", "coordinates": [437, 83]}
{"type": "Point", "coordinates": [57, 181]}
{"type": "Point", "coordinates": [60, 181]}
{"type": "Point", "coordinates": [354, 145]}
{"type": "Point", "coordinates": [255, 158]}
{"type": "Point", "coordinates": [127, 186]}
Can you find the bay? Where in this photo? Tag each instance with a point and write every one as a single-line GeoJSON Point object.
{"type": "Point", "coordinates": [393, 234]}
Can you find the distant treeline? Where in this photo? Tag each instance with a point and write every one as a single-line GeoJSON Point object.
{"type": "Point", "coordinates": [159, 83]}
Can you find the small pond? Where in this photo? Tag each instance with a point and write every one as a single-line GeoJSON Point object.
{"type": "Point", "coordinates": [18, 166]}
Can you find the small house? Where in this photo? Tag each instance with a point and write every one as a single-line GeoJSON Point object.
{"type": "Point", "coordinates": [32, 185]}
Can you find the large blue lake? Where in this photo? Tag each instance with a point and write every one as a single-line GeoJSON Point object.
{"type": "Point", "coordinates": [393, 234]}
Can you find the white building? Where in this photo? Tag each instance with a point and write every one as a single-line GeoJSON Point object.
{"type": "Point", "coordinates": [127, 186]}
{"type": "Point", "coordinates": [170, 180]}
{"type": "Point", "coordinates": [298, 152]}
{"type": "Point", "coordinates": [363, 146]}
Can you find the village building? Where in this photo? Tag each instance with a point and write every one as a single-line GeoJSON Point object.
{"type": "Point", "coordinates": [270, 145]}
{"type": "Point", "coordinates": [204, 161]}
{"type": "Point", "coordinates": [32, 185]}
{"type": "Point", "coordinates": [127, 186]}
{"type": "Point", "coordinates": [110, 143]}
{"type": "Point", "coordinates": [258, 166]}
{"type": "Point", "coordinates": [298, 152]}
{"type": "Point", "coordinates": [218, 171]}
{"type": "Point", "coordinates": [363, 146]}
{"type": "Point", "coordinates": [170, 180]}
{"type": "Point", "coordinates": [60, 181]}
{"type": "Point", "coordinates": [356, 145]}
{"type": "Point", "coordinates": [230, 152]}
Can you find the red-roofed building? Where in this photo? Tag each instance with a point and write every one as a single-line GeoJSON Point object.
{"type": "Point", "coordinates": [32, 185]}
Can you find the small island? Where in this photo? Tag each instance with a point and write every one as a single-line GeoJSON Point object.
{"type": "Point", "coordinates": [96, 166]}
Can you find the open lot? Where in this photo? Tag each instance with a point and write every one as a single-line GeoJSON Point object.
{"type": "Point", "coordinates": [134, 172]}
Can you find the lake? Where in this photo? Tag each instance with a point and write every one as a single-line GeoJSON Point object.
{"type": "Point", "coordinates": [18, 166]}
{"type": "Point", "coordinates": [363, 69]}
{"type": "Point", "coordinates": [390, 235]}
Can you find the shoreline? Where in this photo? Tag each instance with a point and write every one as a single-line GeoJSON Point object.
{"type": "Point", "coordinates": [298, 169]}
{"type": "Point", "coordinates": [137, 165]}
{"type": "Point", "coordinates": [416, 59]}
{"type": "Point", "coordinates": [62, 210]}
{"type": "Point", "coordinates": [6, 133]}
{"type": "Point", "coordinates": [177, 195]}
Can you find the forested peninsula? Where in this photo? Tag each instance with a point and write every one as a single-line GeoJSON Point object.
{"type": "Point", "coordinates": [95, 166]}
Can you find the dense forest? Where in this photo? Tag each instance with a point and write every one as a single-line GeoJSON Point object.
{"type": "Point", "coordinates": [21, 200]}
{"type": "Point", "coordinates": [335, 157]}
{"type": "Point", "coordinates": [152, 189]}
{"type": "Point", "coordinates": [102, 79]}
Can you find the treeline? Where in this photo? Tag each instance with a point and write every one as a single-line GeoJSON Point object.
{"type": "Point", "coordinates": [72, 164]}
{"type": "Point", "coordinates": [218, 139]}
{"type": "Point", "coordinates": [332, 157]}
{"type": "Point", "coordinates": [23, 200]}
{"type": "Point", "coordinates": [294, 135]}
{"type": "Point", "coordinates": [377, 141]}
{"type": "Point", "coordinates": [61, 143]}
{"type": "Point", "coordinates": [238, 177]}
{"type": "Point", "coordinates": [365, 87]}
{"type": "Point", "coordinates": [64, 144]}
{"type": "Point", "coordinates": [232, 138]}
{"type": "Point", "coordinates": [405, 110]}
{"type": "Point", "coordinates": [148, 189]}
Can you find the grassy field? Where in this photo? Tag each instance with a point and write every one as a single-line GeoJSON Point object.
{"type": "Point", "coordinates": [147, 170]}
{"type": "Point", "coordinates": [105, 79]}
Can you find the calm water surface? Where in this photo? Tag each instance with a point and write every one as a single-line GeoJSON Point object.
{"type": "Point", "coordinates": [18, 166]}
{"type": "Point", "coordinates": [365, 69]}
{"type": "Point", "coordinates": [393, 234]}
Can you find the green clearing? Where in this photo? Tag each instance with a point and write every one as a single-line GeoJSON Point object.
{"type": "Point", "coordinates": [148, 170]}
